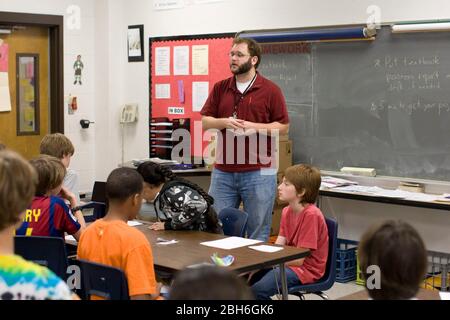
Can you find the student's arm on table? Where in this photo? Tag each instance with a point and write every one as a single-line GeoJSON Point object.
{"type": "Point", "coordinates": [66, 194]}
{"type": "Point", "coordinates": [294, 263]}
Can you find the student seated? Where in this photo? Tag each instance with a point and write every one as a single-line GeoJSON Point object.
{"type": "Point", "coordinates": [303, 226]}
{"type": "Point", "coordinates": [183, 203]}
{"type": "Point", "coordinates": [112, 242]}
{"type": "Point", "coordinates": [20, 279]}
{"type": "Point", "coordinates": [48, 214]}
{"type": "Point", "coordinates": [195, 284]}
{"type": "Point", "coordinates": [59, 146]}
{"type": "Point", "coordinates": [398, 253]}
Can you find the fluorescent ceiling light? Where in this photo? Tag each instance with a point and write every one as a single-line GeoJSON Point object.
{"type": "Point", "coordinates": [420, 27]}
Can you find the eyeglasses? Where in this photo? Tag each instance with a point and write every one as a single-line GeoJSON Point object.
{"type": "Point", "coordinates": [237, 54]}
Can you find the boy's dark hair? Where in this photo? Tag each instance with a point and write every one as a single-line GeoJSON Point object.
{"type": "Point", "coordinates": [155, 174]}
{"type": "Point", "coordinates": [50, 171]}
{"type": "Point", "coordinates": [254, 48]}
{"type": "Point", "coordinates": [209, 283]}
{"type": "Point", "coordinates": [17, 185]}
{"type": "Point", "coordinates": [398, 250]}
{"type": "Point", "coordinates": [123, 183]}
{"type": "Point", "coordinates": [305, 178]}
{"type": "Point", "coordinates": [57, 145]}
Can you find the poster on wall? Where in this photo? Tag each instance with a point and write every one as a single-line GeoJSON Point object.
{"type": "Point", "coordinates": [200, 60]}
{"type": "Point", "coordinates": [5, 99]}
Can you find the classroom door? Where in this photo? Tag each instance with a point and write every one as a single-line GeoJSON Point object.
{"type": "Point", "coordinates": [22, 128]}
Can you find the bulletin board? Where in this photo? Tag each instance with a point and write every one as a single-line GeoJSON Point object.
{"type": "Point", "coordinates": [183, 70]}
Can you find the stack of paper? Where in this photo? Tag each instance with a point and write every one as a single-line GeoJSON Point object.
{"type": "Point", "coordinates": [137, 162]}
{"type": "Point", "coordinates": [333, 182]}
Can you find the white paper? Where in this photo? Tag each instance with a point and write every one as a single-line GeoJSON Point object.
{"type": "Point", "coordinates": [389, 193]}
{"type": "Point", "coordinates": [266, 248]}
{"type": "Point", "coordinates": [200, 60]}
{"type": "Point", "coordinates": [162, 61]}
{"type": "Point", "coordinates": [444, 295]}
{"type": "Point", "coordinates": [200, 91]}
{"type": "Point", "coordinates": [134, 43]}
{"type": "Point", "coordinates": [162, 91]}
{"type": "Point", "coordinates": [5, 99]}
{"type": "Point", "coordinates": [230, 243]}
{"type": "Point", "coordinates": [164, 243]}
{"type": "Point", "coordinates": [134, 223]}
{"type": "Point", "coordinates": [181, 60]}
{"type": "Point", "coordinates": [70, 238]}
{"type": "Point", "coordinates": [333, 182]}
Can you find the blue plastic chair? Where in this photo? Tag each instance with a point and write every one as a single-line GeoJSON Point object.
{"type": "Point", "coordinates": [234, 222]}
{"type": "Point", "coordinates": [104, 281]}
{"type": "Point", "coordinates": [99, 210]}
{"type": "Point", "coordinates": [329, 277]}
{"type": "Point", "coordinates": [49, 252]}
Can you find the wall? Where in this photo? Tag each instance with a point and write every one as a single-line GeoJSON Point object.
{"type": "Point", "coordinates": [111, 81]}
{"type": "Point", "coordinates": [76, 41]}
{"type": "Point", "coordinates": [235, 15]}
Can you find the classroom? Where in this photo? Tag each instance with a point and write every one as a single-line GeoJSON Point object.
{"type": "Point", "coordinates": [364, 86]}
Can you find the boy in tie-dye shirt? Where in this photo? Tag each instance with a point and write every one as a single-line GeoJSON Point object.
{"type": "Point", "coordinates": [20, 279]}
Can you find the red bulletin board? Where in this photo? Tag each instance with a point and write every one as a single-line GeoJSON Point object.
{"type": "Point", "coordinates": [218, 69]}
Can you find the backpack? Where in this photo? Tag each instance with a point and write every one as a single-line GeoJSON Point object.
{"type": "Point", "coordinates": [187, 207]}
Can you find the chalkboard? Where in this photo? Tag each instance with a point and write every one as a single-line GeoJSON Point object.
{"type": "Point", "coordinates": [383, 104]}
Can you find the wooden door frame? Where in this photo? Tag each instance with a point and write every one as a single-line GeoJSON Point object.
{"type": "Point", "coordinates": [56, 32]}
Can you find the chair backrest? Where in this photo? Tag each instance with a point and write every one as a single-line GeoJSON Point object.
{"type": "Point", "coordinates": [330, 269]}
{"type": "Point", "coordinates": [46, 251]}
{"type": "Point", "coordinates": [103, 281]}
{"type": "Point", "coordinates": [99, 192]}
{"type": "Point", "coordinates": [99, 210]}
{"type": "Point", "coordinates": [234, 222]}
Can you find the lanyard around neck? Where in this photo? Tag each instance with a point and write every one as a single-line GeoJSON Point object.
{"type": "Point", "coordinates": [242, 96]}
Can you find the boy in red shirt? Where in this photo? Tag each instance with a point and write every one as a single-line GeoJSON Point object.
{"type": "Point", "coordinates": [48, 215]}
{"type": "Point", "coordinates": [303, 226]}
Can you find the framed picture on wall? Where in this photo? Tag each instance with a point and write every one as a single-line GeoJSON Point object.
{"type": "Point", "coordinates": [135, 43]}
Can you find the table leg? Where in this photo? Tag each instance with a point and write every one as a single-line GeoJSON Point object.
{"type": "Point", "coordinates": [284, 289]}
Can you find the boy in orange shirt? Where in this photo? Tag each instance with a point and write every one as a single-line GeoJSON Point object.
{"type": "Point", "coordinates": [112, 242]}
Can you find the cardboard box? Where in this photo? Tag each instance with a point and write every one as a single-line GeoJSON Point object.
{"type": "Point", "coordinates": [276, 217]}
{"type": "Point", "coordinates": [284, 153]}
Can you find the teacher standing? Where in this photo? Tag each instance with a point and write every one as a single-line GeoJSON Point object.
{"type": "Point", "coordinates": [249, 110]}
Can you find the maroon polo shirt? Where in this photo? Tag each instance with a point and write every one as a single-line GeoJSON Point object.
{"type": "Point", "coordinates": [262, 103]}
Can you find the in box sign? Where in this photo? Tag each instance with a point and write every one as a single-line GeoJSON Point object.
{"type": "Point", "coordinates": [176, 110]}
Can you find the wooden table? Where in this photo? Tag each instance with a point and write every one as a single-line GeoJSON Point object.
{"type": "Point", "coordinates": [423, 294]}
{"type": "Point", "coordinates": [188, 251]}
